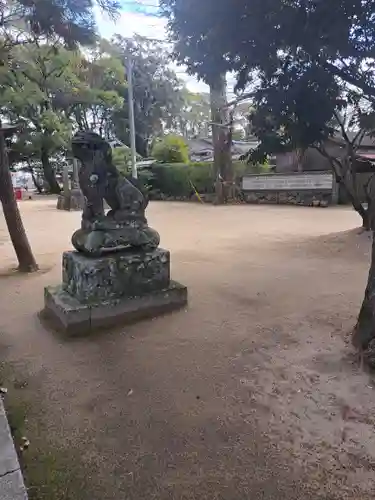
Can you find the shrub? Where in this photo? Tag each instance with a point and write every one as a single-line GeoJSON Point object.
{"type": "Point", "coordinates": [181, 180]}
{"type": "Point", "coordinates": [171, 149]}
{"type": "Point", "coordinates": [171, 180]}
{"type": "Point", "coordinates": [202, 176]}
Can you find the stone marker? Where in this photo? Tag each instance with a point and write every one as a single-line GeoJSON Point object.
{"type": "Point", "coordinates": [71, 198]}
{"type": "Point", "coordinates": [117, 273]}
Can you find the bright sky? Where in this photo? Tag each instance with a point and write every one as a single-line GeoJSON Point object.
{"type": "Point", "coordinates": [140, 17]}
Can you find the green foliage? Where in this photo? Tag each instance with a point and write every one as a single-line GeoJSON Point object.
{"type": "Point", "coordinates": [71, 21]}
{"type": "Point", "coordinates": [273, 35]}
{"type": "Point", "coordinates": [98, 83]}
{"type": "Point", "coordinates": [195, 114]}
{"type": "Point", "coordinates": [238, 134]}
{"type": "Point", "coordinates": [171, 180]}
{"type": "Point", "coordinates": [51, 91]}
{"type": "Point", "coordinates": [27, 89]}
{"type": "Point", "coordinates": [182, 180]}
{"type": "Point", "coordinates": [171, 149]}
{"type": "Point", "coordinates": [284, 118]}
{"type": "Point", "coordinates": [196, 27]}
{"type": "Point", "coordinates": [302, 53]}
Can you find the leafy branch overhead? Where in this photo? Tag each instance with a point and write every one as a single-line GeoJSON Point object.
{"type": "Point", "coordinates": [71, 21]}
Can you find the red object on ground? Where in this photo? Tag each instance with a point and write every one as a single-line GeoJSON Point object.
{"type": "Point", "coordinates": [18, 193]}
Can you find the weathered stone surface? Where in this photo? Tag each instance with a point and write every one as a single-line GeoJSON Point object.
{"type": "Point", "coordinates": [305, 198]}
{"type": "Point", "coordinates": [125, 274]}
{"type": "Point", "coordinates": [12, 487]}
{"type": "Point", "coordinates": [75, 318]}
{"type": "Point", "coordinates": [8, 457]}
{"type": "Point", "coordinates": [11, 482]}
{"type": "Point", "coordinates": [67, 310]}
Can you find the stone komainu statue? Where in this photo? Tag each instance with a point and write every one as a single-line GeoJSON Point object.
{"type": "Point", "coordinates": [125, 225]}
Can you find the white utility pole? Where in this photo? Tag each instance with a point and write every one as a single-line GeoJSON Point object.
{"type": "Point", "coordinates": [131, 117]}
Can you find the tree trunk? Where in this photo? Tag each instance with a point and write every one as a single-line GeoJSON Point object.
{"type": "Point", "coordinates": [26, 261]}
{"type": "Point", "coordinates": [299, 159]}
{"type": "Point", "coordinates": [38, 187]}
{"type": "Point", "coordinates": [364, 331]}
{"type": "Point", "coordinates": [221, 138]}
{"type": "Point", "coordinates": [141, 146]}
{"type": "Point", "coordinates": [49, 173]}
{"type": "Point", "coordinates": [357, 205]}
{"type": "Point", "coordinates": [345, 174]}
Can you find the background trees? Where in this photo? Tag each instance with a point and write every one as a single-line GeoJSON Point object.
{"type": "Point", "coordinates": [50, 87]}
{"type": "Point", "coordinates": [157, 92]}
{"type": "Point", "coordinates": [195, 29]}
{"type": "Point", "coordinates": [23, 22]}
{"type": "Point", "coordinates": [51, 91]}
{"type": "Point", "coordinates": [195, 115]}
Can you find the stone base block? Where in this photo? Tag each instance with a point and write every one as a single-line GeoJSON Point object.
{"type": "Point", "coordinates": [75, 318]}
{"type": "Point", "coordinates": [116, 275]}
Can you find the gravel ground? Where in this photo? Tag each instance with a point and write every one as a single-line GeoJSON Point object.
{"type": "Point", "coordinates": [252, 392]}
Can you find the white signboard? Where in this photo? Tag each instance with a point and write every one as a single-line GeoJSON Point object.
{"type": "Point", "coordinates": [293, 182]}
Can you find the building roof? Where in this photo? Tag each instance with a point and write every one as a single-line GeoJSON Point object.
{"type": "Point", "coordinates": [367, 142]}
{"type": "Point", "coordinates": [203, 146]}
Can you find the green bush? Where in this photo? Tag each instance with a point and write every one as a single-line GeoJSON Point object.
{"type": "Point", "coordinates": [171, 149]}
{"type": "Point", "coordinates": [202, 176]}
{"type": "Point", "coordinates": [181, 180]}
{"type": "Point", "coordinates": [258, 168]}
{"type": "Point", "coordinates": [171, 180]}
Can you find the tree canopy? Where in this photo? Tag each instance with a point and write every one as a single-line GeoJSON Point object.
{"type": "Point", "coordinates": [157, 91]}
{"type": "Point", "coordinates": [69, 21]}
{"type": "Point", "coordinates": [51, 91]}
{"type": "Point", "coordinates": [304, 62]}
{"type": "Point", "coordinates": [271, 34]}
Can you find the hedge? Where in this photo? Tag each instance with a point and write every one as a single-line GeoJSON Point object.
{"type": "Point", "coordinates": [181, 180]}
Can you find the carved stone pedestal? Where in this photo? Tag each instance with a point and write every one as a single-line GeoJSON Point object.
{"type": "Point", "coordinates": [112, 290]}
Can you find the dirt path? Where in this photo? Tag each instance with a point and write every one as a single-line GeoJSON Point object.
{"type": "Point", "coordinates": [250, 393]}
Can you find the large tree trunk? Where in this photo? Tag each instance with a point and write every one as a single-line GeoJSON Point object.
{"type": "Point", "coordinates": [364, 331]}
{"type": "Point", "coordinates": [221, 138]}
{"type": "Point", "coordinates": [49, 173]}
{"type": "Point", "coordinates": [357, 205]}
{"type": "Point", "coordinates": [38, 187]}
{"type": "Point", "coordinates": [300, 155]}
{"type": "Point", "coordinates": [345, 173]}
{"type": "Point", "coordinates": [141, 146]}
{"type": "Point", "coordinates": [26, 261]}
